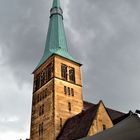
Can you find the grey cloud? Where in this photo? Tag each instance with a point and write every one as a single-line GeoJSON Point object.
{"type": "Point", "coordinates": [109, 38]}
{"type": "Point", "coordinates": [107, 46]}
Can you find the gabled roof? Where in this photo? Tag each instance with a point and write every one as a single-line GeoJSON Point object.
{"type": "Point", "coordinates": [56, 42]}
{"type": "Point", "coordinates": [128, 129]}
{"type": "Point", "coordinates": [116, 116]}
{"type": "Point", "coordinates": [79, 125]}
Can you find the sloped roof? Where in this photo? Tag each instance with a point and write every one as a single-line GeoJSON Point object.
{"type": "Point", "coordinates": [128, 129]}
{"type": "Point", "coordinates": [116, 116]}
{"type": "Point", "coordinates": [79, 125]}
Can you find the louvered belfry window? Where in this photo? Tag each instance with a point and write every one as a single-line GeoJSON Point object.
{"type": "Point", "coordinates": [64, 71]}
{"type": "Point", "coordinates": [72, 75]}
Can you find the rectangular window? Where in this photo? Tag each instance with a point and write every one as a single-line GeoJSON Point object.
{"type": "Point", "coordinates": [69, 106]}
{"type": "Point", "coordinates": [41, 129]}
{"type": "Point", "coordinates": [41, 110]}
{"type": "Point", "coordinates": [68, 91]}
{"type": "Point", "coordinates": [72, 91]}
{"type": "Point", "coordinates": [104, 127]}
{"type": "Point", "coordinates": [72, 74]}
{"type": "Point", "coordinates": [60, 123]}
{"type": "Point", "coordinates": [65, 89]}
{"type": "Point", "coordinates": [64, 71]}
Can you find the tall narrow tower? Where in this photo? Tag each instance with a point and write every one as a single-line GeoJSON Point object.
{"type": "Point", "coordinates": [57, 89]}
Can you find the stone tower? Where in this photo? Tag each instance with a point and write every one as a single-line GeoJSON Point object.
{"type": "Point", "coordinates": [57, 89]}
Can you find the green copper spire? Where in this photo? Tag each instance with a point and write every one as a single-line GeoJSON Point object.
{"type": "Point", "coordinates": [56, 3]}
{"type": "Point", "coordinates": [56, 42]}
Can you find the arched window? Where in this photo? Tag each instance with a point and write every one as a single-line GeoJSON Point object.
{"type": "Point", "coordinates": [50, 71]}
{"type": "Point", "coordinates": [72, 74]}
{"type": "Point", "coordinates": [64, 71]}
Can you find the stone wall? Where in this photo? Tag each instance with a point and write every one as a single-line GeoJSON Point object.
{"type": "Point", "coordinates": [101, 122]}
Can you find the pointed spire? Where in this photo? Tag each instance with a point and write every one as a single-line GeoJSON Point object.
{"type": "Point", "coordinates": [56, 42]}
{"type": "Point", "coordinates": [56, 3]}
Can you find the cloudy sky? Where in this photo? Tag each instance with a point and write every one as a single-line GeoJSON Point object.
{"type": "Point", "coordinates": [104, 35]}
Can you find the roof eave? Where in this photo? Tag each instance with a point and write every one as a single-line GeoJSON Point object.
{"type": "Point", "coordinates": [56, 55]}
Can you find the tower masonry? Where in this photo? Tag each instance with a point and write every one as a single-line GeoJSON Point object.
{"type": "Point", "coordinates": [57, 88]}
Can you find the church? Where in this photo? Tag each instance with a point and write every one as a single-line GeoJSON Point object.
{"type": "Point", "coordinates": [58, 109]}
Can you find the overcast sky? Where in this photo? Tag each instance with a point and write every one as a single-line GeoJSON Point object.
{"type": "Point", "coordinates": [104, 35]}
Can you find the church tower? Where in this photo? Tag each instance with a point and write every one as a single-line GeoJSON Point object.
{"type": "Point", "coordinates": [57, 88]}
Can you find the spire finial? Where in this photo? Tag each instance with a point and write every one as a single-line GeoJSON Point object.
{"type": "Point", "coordinates": [56, 8]}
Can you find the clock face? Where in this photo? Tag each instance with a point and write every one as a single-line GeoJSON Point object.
{"type": "Point", "coordinates": [56, 11]}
